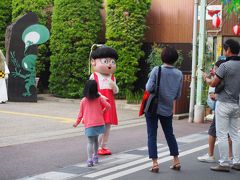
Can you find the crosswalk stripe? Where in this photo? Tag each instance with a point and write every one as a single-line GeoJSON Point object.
{"type": "Point", "coordinates": [123, 166]}
{"type": "Point", "coordinates": [120, 158]}
{"type": "Point", "coordinates": [192, 138]}
{"type": "Point", "coordinates": [147, 165]}
{"type": "Point", "coordinates": [146, 148]}
{"type": "Point", "coordinates": [51, 176]}
{"type": "Point", "coordinates": [125, 163]}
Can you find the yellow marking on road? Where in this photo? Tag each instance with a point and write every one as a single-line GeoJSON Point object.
{"type": "Point", "coordinates": [62, 119]}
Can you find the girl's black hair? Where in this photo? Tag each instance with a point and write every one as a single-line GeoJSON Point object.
{"type": "Point", "coordinates": [91, 90]}
{"type": "Point", "coordinates": [102, 51]}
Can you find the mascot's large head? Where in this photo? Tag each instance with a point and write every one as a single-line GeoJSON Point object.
{"type": "Point", "coordinates": [103, 59]}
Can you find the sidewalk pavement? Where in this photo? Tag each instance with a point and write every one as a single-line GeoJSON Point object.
{"type": "Point", "coordinates": [52, 118]}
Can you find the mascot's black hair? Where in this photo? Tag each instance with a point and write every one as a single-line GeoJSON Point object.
{"type": "Point", "coordinates": [102, 51]}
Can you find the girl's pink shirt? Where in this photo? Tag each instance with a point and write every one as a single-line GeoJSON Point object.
{"type": "Point", "coordinates": [91, 112]}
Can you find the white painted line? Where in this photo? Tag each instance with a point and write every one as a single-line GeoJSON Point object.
{"type": "Point", "coordinates": [127, 156]}
{"type": "Point", "coordinates": [149, 164]}
{"type": "Point", "coordinates": [123, 166]}
{"type": "Point", "coordinates": [51, 176]}
{"type": "Point", "coordinates": [192, 138]}
{"type": "Point", "coordinates": [146, 148]}
{"type": "Point", "coordinates": [164, 149]}
{"type": "Point", "coordinates": [120, 158]}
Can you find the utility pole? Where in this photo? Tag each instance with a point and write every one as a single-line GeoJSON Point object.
{"type": "Point", "coordinates": [199, 108]}
{"type": "Point", "coordinates": [194, 60]}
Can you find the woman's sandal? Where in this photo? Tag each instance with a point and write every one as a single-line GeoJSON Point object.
{"type": "Point", "coordinates": [154, 169]}
{"type": "Point", "coordinates": [176, 167]}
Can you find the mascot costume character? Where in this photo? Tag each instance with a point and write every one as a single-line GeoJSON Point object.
{"type": "Point", "coordinates": [103, 61]}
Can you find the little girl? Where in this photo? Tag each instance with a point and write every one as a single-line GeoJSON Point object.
{"type": "Point", "coordinates": [92, 108]}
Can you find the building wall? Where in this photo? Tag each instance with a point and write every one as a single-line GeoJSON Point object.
{"type": "Point", "coordinates": [229, 22]}
{"type": "Point", "coordinates": [170, 21]}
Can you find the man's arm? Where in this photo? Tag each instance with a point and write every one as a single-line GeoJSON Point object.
{"type": "Point", "coordinates": [212, 82]}
{"type": "Point", "coordinates": [216, 80]}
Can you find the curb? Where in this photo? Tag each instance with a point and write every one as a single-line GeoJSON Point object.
{"type": "Point", "coordinates": [122, 104]}
{"type": "Point", "coordinates": [50, 97]}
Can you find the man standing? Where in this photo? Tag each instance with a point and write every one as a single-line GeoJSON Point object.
{"type": "Point", "coordinates": [227, 106]}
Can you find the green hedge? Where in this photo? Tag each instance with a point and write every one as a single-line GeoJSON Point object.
{"type": "Point", "coordinates": [125, 27]}
{"type": "Point", "coordinates": [76, 25]}
{"type": "Point", "coordinates": [5, 19]}
{"type": "Point", "coordinates": [154, 59]}
{"type": "Point", "coordinates": [20, 7]}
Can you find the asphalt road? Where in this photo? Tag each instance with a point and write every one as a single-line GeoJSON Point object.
{"type": "Point", "coordinates": [37, 141]}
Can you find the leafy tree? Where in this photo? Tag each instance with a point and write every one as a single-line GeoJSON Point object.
{"type": "Point", "coordinates": [76, 25]}
{"type": "Point", "coordinates": [5, 19]}
{"type": "Point", "coordinates": [125, 27]}
{"type": "Point", "coordinates": [232, 6]}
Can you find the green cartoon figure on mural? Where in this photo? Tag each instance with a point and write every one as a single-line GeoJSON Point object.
{"type": "Point", "coordinates": [32, 35]}
{"type": "Point", "coordinates": [35, 34]}
{"type": "Point", "coordinates": [28, 64]}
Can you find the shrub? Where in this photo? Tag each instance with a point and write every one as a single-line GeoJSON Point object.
{"type": "Point", "coordinates": [76, 25]}
{"type": "Point", "coordinates": [5, 19]}
{"type": "Point", "coordinates": [134, 97]}
{"type": "Point", "coordinates": [125, 27]}
{"type": "Point", "coordinates": [21, 7]}
{"type": "Point", "coordinates": [154, 59]}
